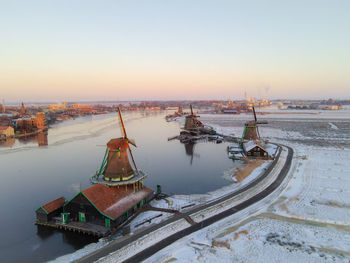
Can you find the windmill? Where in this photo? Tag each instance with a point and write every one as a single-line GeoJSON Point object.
{"type": "Point", "coordinates": [251, 131]}
{"type": "Point", "coordinates": [115, 165]}
{"type": "Point", "coordinates": [192, 123]}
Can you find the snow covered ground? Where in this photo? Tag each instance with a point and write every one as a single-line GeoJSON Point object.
{"type": "Point", "coordinates": [306, 220]}
{"type": "Point", "coordinates": [185, 202]}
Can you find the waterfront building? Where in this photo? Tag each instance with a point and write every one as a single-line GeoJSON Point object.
{"type": "Point", "coordinates": [84, 109]}
{"type": "Point", "coordinates": [50, 210]}
{"type": "Point", "coordinates": [254, 149]}
{"type": "Point", "coordinates": [26, 125]}
{"type": "Point", "coordinates": [106, 206]}
{"type": "Point", "coordinates": [118, 192]}
{"type": "Point", "coordinates": [6, 132]}
{"type": "Point", "coordinates": [56, 107]}
{"type": "Point", "coordinates": [40, 121]}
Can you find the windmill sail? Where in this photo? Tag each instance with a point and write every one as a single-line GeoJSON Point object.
{"type": "Point", "coordinates": [116, 165]}
{"type": "Point", "coordinates": [251, 130]}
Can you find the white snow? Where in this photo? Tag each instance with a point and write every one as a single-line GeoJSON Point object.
{"type": "Point", "coordinates": [307, 219]}
{"type": "Point", "coordinates": [333, 126]}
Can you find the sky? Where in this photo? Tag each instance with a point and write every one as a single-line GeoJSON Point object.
{"type": "Point", "coordinates": [179, 49]}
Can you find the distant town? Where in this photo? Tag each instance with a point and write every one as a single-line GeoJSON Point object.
{"type": "Point", "coordinates": [31, 119]}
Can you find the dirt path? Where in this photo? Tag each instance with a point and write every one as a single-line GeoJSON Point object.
{"type": "Point", "coordinates": [243, 172]}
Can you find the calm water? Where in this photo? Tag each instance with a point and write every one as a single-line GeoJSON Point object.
{"type": "Point", "coordinates": [32, 175]}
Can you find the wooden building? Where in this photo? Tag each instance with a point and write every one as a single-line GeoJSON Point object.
{"type": "Point", "coordinates": [251, 131]}
{"type": "Point", "coordinates": [117, 193]}
{"type": "Point", "coordinates": [104, 205]}
{"type": "Point", "coordinates": [254, 149]}
{"type": "Point", "coordinates": [192, 123]}
{"type": "Point", "coordinates": [52, 209]}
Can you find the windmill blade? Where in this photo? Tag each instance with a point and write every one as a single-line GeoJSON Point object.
{"type": "Point", "coordinates": [191, 109]}
{"type": "Point", "coordinates": [132, 142]}
{"type": "Point", "coordinates": [132, 158]}
{"type": "Point", "coordinates": [257, 131]}
{"type": "Point", "coordinates": [254, 114]}
{"type": "Point", "coordinates": [122, 123]}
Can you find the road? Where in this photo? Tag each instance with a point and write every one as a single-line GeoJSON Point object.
{"type": "Point", "coordinates": [118, 244]}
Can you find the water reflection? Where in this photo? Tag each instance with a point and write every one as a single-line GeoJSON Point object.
{"type": "Point", "coordinates": [42, 138]}
{"type": "Point", "coordinates": [189, 148]}
{"type": "Point", "coordinates": [44, 232]}
{"type": "Point", "coordinates": [39, 138]}
{"type": "Point", "coordinates": [9, 142]}
{"type": "Point", "coordinates": [76, 240]}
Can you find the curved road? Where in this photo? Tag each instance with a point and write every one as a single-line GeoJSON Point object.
{"type": "Point", "coordinates": [114, 246]}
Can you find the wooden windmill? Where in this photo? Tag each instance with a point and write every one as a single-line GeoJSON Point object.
{"type": "Point", "coordinates": [115, 165]}
{"type": "Point", "coordinates": [191, 122]}
{"type": "Point", "coordinates": [251, 131]}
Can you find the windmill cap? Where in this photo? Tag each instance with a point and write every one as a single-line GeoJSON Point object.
{"type": "Point", "coordinates": [118, 144]}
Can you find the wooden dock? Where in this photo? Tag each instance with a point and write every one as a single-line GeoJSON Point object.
{"type": "Point", "coordinates": [78, 227]}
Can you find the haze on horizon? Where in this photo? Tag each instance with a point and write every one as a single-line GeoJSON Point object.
{"type": "Point", "coordinates": [135, 50]}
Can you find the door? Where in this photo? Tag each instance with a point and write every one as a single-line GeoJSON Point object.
{"type": "Point", "coordinates": [82, 217]}
{"type": "Point", "coordinates": [107, 222]}
{"type": "Point", "coordinates": [64, 218]}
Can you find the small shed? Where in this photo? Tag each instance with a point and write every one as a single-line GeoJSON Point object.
{"type": "Point", "coordinates": [52, 209]}
{"type": "Point", "coordinates": [254, 149]}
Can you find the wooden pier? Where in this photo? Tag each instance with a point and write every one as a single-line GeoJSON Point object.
{"type": "Point", "coordinates": [78, 227]}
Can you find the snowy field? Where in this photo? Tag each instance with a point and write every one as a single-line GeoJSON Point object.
{"type": "Point", "coordinates": [306, 221]}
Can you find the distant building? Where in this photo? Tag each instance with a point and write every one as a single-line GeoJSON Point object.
{"type": "Point", "coordinates": [333, 107]}
{"type": "Point", "coordinates": [229, 111]}
{"type": "Point", "coordinates": [40, 121]}
{"type": "Point", "coordinates": [26, 125]}
{"type": "Point", "coordinates": [6, 132]}
{"type": "Point", "coordinates": [3, 107]}
{"type": "Point", "coordinates": [87, 109]}
{"type": "Point", "coordinates": [23, 110]}
{"type": "Point", "coordinates": [55, 107]}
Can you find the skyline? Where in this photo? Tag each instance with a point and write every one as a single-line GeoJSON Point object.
{"type": "Point", "coordinates": [164, 50]}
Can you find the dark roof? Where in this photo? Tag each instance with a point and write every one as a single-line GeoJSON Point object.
{"type": "Point", "coordinates": [113, 201]}
{"type": "Point", "coordinates": [54, 205]}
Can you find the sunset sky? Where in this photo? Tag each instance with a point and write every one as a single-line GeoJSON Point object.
{"type": "Point", "coordinates": [123, 50]}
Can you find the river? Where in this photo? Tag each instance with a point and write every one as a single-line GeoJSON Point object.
{"type": "Point", "coordinates": [32, 175]}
